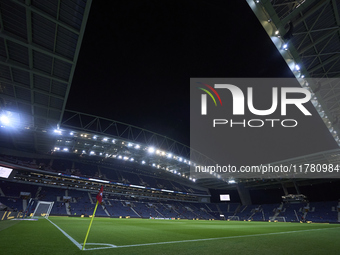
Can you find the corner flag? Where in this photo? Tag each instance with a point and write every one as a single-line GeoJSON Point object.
{"type": "Point", "coordinates": [99, 201]}
{"type": "Point", "coordinates": [100, 195]}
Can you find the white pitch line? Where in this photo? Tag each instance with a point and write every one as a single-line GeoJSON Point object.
{"type": "Point", "coordinates": [111, 246]}
{"type": "Point", "coordinates": [67, 235]}
{"type": "Point", "coordinates": [209, 239]}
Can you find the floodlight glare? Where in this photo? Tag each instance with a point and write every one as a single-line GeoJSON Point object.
{"type": "Point", "coordinates": [57, 131]}
{"type": "Point", "coordinates": [151, 150]}
{"type": "Point", "coordinates": [4, 120]}
{"type": "Point", "coordinates": [297, 67]}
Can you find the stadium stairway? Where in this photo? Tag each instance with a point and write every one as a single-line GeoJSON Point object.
{"type": "Point", "coordinates": [90, 197]}
{"type": "Point", "coordinates": [135, 212]}
{"type": "Point", "coordinates": [106, 211]}
{"type": "Point", "coordinates": [1, 193]}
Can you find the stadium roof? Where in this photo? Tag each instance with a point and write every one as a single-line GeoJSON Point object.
{"type": "Point", "coordinates": [39, 47]}
{"type": "Point", "coordinates": [306, 33]}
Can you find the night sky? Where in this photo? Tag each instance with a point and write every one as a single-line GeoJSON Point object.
{"type": "Point", "coordinates": [137, 58]}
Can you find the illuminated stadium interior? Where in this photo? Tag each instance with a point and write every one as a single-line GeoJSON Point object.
{"type": "Point", "coordinates": [51, 153]}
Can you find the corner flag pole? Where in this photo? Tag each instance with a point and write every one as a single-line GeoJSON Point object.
{"type": "Point", "coordinates": [88, 231]}
{"type": "Point", "coordinates": [99, 200]}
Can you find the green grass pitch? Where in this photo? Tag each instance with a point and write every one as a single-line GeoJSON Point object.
{"type": "Point", "coordinates": [144, 236]}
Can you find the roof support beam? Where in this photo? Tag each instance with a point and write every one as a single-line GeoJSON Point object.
{"type": "Point", "coordinates": [47, 16]}
{"type": "Point", "coordinates": [25, 68]}
{"type": "Point", "coordinates": [320, 39]}
{"type": "Point", "coordinates": [295, 12]}
{"type": "Point", "coordinates": [76, 54]}
{"type": "Point", "coordinates": [335, 57]}
{"type": "Point", "coordinates": [9, 98]}
{"type": "Point", "coordinates": [15, 84]}
{"type": "Point", "coordinates": [30, 53]}
{"type": "Point", "coordinates": [310, 12]}
{"type": "Point", "coordinates": [37, 48]}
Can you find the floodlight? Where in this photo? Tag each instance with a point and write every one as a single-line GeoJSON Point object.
{"type": "Point", "coordinates": [297, 67]}
{"type": "Point", "coordinates": [169, 155]}
{"type": "Point", "coordinates": [4, 120]}
{"type": "Point", "coordinates": [285, 46]}
{"type": "Point", "coordinates": [231, 181]}
{"type": "Point", "coordinates": [57, 131]}
{"type": "Point", "coordinates": [151, 150]}
{"type": "Point", "coordinates": [143, 162]}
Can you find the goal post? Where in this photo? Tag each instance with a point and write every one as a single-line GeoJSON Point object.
{"type": "Point", "coordinates": [277, 219]}
{"type": "Point", "coordinates": [233, 218]}
{"type": "Point", "coordinates": [42, 209]}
